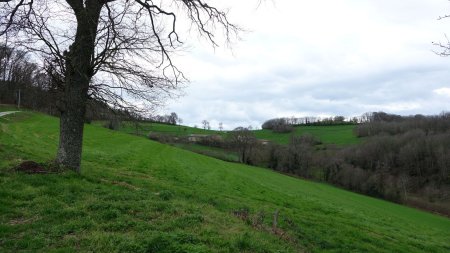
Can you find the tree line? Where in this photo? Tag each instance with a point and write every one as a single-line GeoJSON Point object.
{"type": "Point", "coordinates": [170, 119]}
{"type": "Point", "coordinates": [25, 83]}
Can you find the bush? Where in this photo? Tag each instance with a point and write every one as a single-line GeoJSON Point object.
{"type": "Point", "coordinates": [212, 141]}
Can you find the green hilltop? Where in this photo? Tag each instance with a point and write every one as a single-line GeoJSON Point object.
{"type": "Point", "coordinates": [137, 195]}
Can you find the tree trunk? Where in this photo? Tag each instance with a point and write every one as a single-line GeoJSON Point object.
{"type": "Point", "coordinates": [78, 74]}
{"type": "Point", "coordinates": [72, 122]}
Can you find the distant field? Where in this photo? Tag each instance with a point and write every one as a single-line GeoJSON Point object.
{"type": "Point", "coordinates": [340, 135]}
{"type": "Point", "coordinates": [136, 195]}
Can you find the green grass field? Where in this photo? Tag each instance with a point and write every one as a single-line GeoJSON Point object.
{"type": "Point", "coordinates": [136, 195]}
{"type": "Point", "coordinates": [339, 135]}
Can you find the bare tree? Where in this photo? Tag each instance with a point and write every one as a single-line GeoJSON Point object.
{"type": "Point", "coordinates": [205, 124]}
{"type": "Point", "coordinates": [443, 47]}
{"type": "Point", "coordinates": [243, 141]}
{"type": "Point", "coordinates": [13, 66]}
{"type": "Point", "coordinates": [116, 51]}
{"type": "Point", "coordinates": [173, 118]}
{"type": "Point", "coordinates": [21, 80]}
{"type": "Point", "coordinates": [220, 126]}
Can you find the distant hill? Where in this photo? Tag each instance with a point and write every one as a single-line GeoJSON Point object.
{"type": "Point", "coordinates": [339, 134]}
{"type": "Point", "coordinates": [136, 195]}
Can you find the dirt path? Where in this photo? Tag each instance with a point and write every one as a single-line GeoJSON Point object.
{"type": "Point", "coordinates": [6, 113]}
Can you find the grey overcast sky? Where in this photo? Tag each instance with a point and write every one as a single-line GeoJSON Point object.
{"type": "Point", "coordinates": [319, 58]}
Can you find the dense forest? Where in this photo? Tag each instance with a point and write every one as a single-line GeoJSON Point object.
{"type": "Point", "coordinates": [401, 158]}
{"type": "Point", "coordinates": [23, 82]}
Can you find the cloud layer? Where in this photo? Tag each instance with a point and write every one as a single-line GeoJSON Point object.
{"type": "Point", "coordinates": [319, 58]}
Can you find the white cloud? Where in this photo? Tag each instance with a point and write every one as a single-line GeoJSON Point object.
{"type": "Point", "coordinates": [444, 91]}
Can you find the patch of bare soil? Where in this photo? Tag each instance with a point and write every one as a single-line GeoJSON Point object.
{"type": "Point", "coordinates": [31, 167]}
{"type": "Point", "coordinates": [22, 220]}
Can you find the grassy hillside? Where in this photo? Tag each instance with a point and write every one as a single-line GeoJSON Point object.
{"type": "Point", "coordinates": [135, 195]}
{"type": "Point", "coordinates": [340, 135]}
